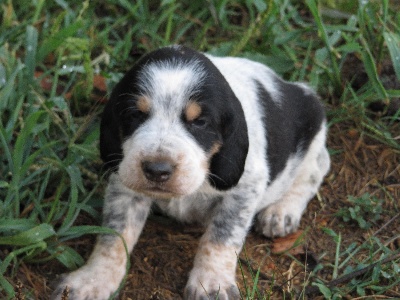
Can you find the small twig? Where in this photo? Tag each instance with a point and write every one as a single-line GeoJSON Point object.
{"type": "Point", "coordinates": [280, 287]}
{"type": "Point", "coordinates": [264, 276]}
{"type": "Point", "coordinates": [261, 275]}
{"type": "Point", "coordinates": [375, 297]}
{"type": "Point", "coordinates": [314, 289]}
{"type": "Point", "coordinates": [386, 224]}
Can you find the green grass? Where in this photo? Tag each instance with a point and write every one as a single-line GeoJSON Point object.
{"type": "Point", "coordinates": [364, 210]}
{"type": "Point", "coordinates": [49, 162]}
{"type": "Point", "coordinates": [375, 271]}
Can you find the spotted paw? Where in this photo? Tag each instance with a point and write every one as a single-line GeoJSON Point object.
{"type": "Point", "coordinates": [211, 291]}
{"type": "Point", "coordinates": [84, 284]}
{"type": "Point", "coordinates": [278, 220]}
{"type": "Point", "coordinates": [213, 274]}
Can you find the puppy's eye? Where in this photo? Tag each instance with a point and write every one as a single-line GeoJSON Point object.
{"type": "Point", "coordinates": [199, 122]}
{"type": "Point", "coordinates": [133, 116]}
{"type": "Point", "coordinates": [133, 113]}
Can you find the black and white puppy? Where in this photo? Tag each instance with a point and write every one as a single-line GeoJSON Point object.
{"type": "Point", "coordinates": [223, 141]}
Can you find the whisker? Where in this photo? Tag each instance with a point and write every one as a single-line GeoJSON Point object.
{"type": "Point", "coordinates": [211, 175]}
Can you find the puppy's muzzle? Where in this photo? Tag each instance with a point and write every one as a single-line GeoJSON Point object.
{"type": "Point", "coordinates": [157, 171]}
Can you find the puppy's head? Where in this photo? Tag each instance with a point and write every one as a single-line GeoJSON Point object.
{"type": "Point", "coordinates": [173, 122]}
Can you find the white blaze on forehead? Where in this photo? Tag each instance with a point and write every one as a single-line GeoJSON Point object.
{"type": "Point", "coordinates": [171, 83]}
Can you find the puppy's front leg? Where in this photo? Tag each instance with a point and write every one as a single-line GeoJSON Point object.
{"type": "Point", "coordinates": [125, 212]}
{"type": "Point", "coordinates": [213, 274]}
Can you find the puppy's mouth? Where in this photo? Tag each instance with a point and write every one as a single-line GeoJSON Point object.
{"type": "Point", "coordinates": [153, 190]}
{"type": "Point", "coordinates": [159, 192]}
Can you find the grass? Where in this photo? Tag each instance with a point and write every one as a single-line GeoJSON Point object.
{"type": "Point", "coordinates": [364, 210]}
{"type": "Point", "coordinates": [52, 52]}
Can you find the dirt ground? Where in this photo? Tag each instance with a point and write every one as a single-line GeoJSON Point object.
{"type": "Point", "coordinates": [163, 257]}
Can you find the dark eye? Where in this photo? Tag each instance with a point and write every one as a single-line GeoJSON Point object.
{"type": "Point", "coordinates": [199, 122]}
{"type": "Point", "coordinates": [133, 117]}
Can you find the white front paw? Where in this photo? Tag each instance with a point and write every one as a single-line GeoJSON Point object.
{"type": "Point", "coordinates": [87, 284]}
{"type": "Point", "coordinates": [278, 219]}
{"type": "Point", "coordinates": [203, 286]}
{"type": "Point", "coordinates": [213, 274]}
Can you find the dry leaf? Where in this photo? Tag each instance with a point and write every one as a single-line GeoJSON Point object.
{"type": "Point", "coordinates": [99, 83]}
{"type": "Point", "coordinates": [291, 243]}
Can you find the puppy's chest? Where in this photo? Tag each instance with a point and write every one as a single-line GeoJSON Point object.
{"type": "Point", "coordinates": [194, 208]}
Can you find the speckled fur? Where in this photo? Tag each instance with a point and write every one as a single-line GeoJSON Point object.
{"type": "Point", "coordinates": [196, 189]}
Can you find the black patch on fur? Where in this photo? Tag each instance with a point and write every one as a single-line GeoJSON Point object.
{"type": "Point", "coordinates": [222, 120]}
{"type": "Point", "coordinates": [291, 122]}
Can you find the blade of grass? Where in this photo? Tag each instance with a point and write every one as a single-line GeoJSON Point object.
{"type": "Point", "coordinates": [306, 62]}
{"type": "Point", "coordinates": [379, 134]}
{"type": "Point", "coordinates": [170, 19]}
{"type": "Point", "coordinates": [260, 20]}
{"type": "Point", "coordinates": [393, 43]}
{"type": "Point", "coordinates": [29, 237]}
{"type": "Point", "coordinates": [13, 119]}
{"type": "Point", "coordinates": [7, 287]}
{"type": "Point", "coordinates": [9, 87]}
{"type": "Point", "coordinates": [243, 277]}
{"type": "Point", "coordinates": [41, 190]}
{"type": "Point", "coordinates": [21, 145]}
{"type": "Point", "coordinates": [338, 239]}
{"type": "Point", "coordinates": [14, 254]}
{"type": "Point", "coordinates": [6, 147]}
{"type": "Point", "coordinates": [255, 283]}
{"type": "Point", "coordinates": [57, 39]}
{"type": "Point", "coordinates": [313, 6]}
{"type": "Point", "coordinates": [372, 72]}
{"type": "Point", "coordinates": [31, 48]}
{"type": "Point", "coordinates": [57, 211]}
{"type": "Point", "coordinates": [73, 210]}
{"type": "Point", "coordinates": [68, 257]}
{"type": "Point", "coordinates": [39, 7]}
{"type": "Point", "coordinates": [10, 225]}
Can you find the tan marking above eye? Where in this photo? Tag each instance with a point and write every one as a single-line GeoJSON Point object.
{"type": "Point", "coordinates": [143, 104]}
{"type": "Point", "coordinates": [192, 111]}
{"type": "Point", "coordinates": [215, 149]}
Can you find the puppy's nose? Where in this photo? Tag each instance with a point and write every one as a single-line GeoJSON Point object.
{"type": "Point", "coordinates": [158, 171]}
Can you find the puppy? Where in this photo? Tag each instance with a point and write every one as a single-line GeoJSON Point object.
{"type": "Point", "coordinates": [222, 141]}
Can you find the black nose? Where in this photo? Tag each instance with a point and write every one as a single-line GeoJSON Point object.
{"type": "Point", "coordinates": [158, 171]}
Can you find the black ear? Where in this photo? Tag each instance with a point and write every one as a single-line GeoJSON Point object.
{"type": "Point", "coordinates": [227, 165]}
{"type": "Point", "coordinates": [110, 137]}
{"type": "Point", "coordinates": [111, 126]}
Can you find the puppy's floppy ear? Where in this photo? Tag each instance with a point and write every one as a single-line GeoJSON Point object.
{"type": "Point", "coordinates": [110, 137]}
{"type": "Point", "coordinates": [111, 126]}
{"type": "Point", "coordinates": [227, 165]}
